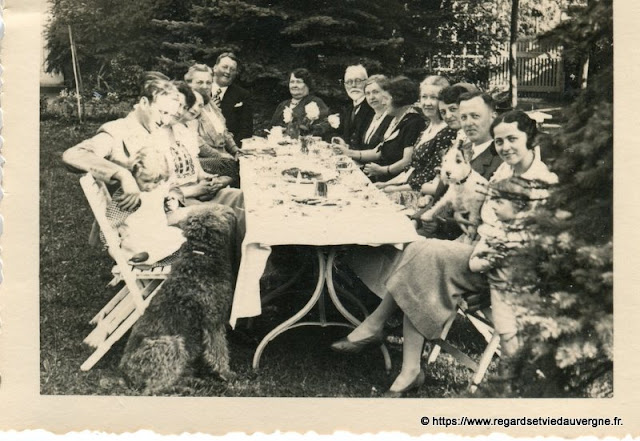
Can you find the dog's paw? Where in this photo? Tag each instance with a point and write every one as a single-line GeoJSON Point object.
{"type": "Point", "coordinates": [228, 376]}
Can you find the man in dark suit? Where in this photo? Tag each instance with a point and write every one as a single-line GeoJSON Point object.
{"type": "Point", "coordinates": [477, 112]}
{"type": "Point", "coordinates": [356, 116]}
{"type": "Point", "coordinates": [233, 100]}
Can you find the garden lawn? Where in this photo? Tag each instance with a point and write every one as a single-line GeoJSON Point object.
{"type": "Point", "coordinates": [73, 279]}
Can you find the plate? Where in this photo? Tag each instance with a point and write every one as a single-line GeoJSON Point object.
{"type": "Point", "coordinates": [308, 175]}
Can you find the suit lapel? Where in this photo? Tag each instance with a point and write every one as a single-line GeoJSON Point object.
{"type": "Point", "coordinates": [229, 99]}
{"type": "Point", "coordinates": [486, 162]}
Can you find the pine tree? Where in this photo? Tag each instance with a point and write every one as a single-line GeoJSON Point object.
{"type": "Point", "coordinates": [568, 326]}
{"type": "Point", "coordinates": [115, 40]}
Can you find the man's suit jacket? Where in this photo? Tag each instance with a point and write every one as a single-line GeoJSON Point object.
{"type": "Point", "coordinates": [353, 131]}
{"type": "Point", "coordinates": [487, 162]}
{"type": "Point", "coordinates": [238, 112]}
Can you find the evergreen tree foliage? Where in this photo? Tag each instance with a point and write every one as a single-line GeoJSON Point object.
{"type": "Point", "coordinates": [115, 40]}
{"type": "Point", "coordinates": [568, 325]}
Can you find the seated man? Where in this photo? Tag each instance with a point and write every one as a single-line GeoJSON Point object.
{"type": "Point", "coordinates": [212, 127]}
{"type": "Point", "coordinates": [477, 112]}
{"type": "Point", "coordinates": [109, 155]}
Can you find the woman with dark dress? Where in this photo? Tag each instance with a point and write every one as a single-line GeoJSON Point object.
{"type": "Point", "coordinates": [393, 153]}
{"type": "Point", "coordinates": [375, 96]}
{"type": "Point", "coordinates": [423, 178]}
{"type": "Point", "coordinates": [304, 111]}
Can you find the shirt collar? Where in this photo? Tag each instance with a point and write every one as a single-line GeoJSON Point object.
{"type": "Point", "coordinates": [358, 102]}
{"type": "Point", "coordinates": [480, 148]}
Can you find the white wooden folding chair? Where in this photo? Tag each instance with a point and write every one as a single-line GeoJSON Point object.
{"type": "Point", "coordinates": [140, 285]}
{"type": "Point", "coordinates": [478, 312]}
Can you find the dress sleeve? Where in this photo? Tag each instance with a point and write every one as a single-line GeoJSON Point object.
{"type": "Point", "coordinates": [276, 119]}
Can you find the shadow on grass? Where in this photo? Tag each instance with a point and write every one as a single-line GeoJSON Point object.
{"type": "Point", "coordinates": [73, 279]}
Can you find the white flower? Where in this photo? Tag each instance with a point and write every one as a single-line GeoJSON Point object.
{"type": "Point", "coordinates": [312, 111]}
{"type": "Point", "coordinates": [287, 115]}
{"type": "Point", "coordinates": [334, 120]}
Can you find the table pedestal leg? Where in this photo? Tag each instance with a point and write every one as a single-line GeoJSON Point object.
{"type": "Point", "coordinates": [325, 278]}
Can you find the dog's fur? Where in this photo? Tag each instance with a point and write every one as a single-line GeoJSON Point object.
{"type": "Point", "coordinates": [465, 198]}
{"type": "Point", "coordinates": [185, 321]}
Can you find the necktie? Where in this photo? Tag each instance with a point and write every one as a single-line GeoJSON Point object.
{"type": "Point", "coordinates": [354, 112]}
{"type": "Point", "coordinates": [217, 99]}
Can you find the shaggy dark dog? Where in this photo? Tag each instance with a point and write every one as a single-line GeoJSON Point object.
{"type": "Point", "coordinates": [185, 322]}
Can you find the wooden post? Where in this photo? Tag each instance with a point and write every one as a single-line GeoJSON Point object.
{"type": "Point", "coordinates": [74, 61]}
{"type": "Point", "coordinates": [584, 75]}
{"type": "Point", "coordinates": [513, 50]}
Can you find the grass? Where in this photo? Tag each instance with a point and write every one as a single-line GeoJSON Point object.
{"type": "Point", "coordinates": [73, 279]}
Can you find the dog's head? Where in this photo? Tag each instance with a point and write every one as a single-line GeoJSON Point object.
{"type": "Point", "coordinates": [456, 164]}
{"type": "Point", "coordinates": [210, 227]}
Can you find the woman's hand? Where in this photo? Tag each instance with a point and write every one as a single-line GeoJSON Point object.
{"type": "Point", "coordinates": [392, 188]}
{"type": "Point", "coordinates": [340, 147]}
{"type": "Point", "coordinates": [130, 197]}
{"type": "Point", "coordinates": [423, 201]}
{"type": "Point", "coordinates": [212, 186]}
{"type": "Point", "coordinates": [374, 170]}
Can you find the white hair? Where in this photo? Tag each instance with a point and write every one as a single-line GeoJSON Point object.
{"type": "Point", "coordinates": [356, 69]}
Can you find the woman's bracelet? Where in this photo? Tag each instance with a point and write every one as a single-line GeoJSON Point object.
{"type": "Point", "coordinates": [359, 156]}
{"type": "Point", "coordinates": [388, 169]}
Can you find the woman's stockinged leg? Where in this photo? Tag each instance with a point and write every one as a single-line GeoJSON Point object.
{"type": "Point", "coordinates": [374, 323]}
{"type": "Point", "coordinates": [411, 356]}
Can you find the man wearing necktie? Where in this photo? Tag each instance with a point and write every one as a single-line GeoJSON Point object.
{"type": "Point", "coordinates": [233, 100]}
{"type": "Point", "coordinates": [356, 116]}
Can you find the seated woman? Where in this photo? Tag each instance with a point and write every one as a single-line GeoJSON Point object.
{"type": "Point", "coordinates": [375, 96]}
{"type": "Point", "coordinates": [427, 279]}
{"type": "Point", "coordinates": [423, 179]}
{"type": "Point", "coordinates": [191, 186]}
{"type": "Point", "coordinates": [393, 153]}
{"type": "Point", "coordinates": [212, 126]}
{"type": "Point", "coordinates": [304, 112]}
{"type": "Point", "coordinates": [211, 160]}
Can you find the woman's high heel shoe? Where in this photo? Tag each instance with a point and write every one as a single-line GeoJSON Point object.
{"type": "Point", "coordinates": [351, 347]}
{"type": "Point", "coordinates": [415, 384]}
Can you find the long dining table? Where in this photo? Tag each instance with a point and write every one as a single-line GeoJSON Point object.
{"type": "Point", "coordinates": [284, 205]}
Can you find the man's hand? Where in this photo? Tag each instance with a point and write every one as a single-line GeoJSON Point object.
{"type": "Point", "coordinates": [130, 197]}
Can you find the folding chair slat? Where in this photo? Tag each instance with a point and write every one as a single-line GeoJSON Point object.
{"type": "Point", "coordinates": [122, 309]}
{"type": "Point", "coordinates": [109, 306]}
{"type": "Point", "coordinates": [481, 320]}
{"type": "Point", "coordinates": [110, 341]}
{"type": "Point", "coordinates": [130, 302]}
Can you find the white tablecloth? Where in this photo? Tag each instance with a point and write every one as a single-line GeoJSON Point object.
{"type": "Point", "coordinates": [355, 212]}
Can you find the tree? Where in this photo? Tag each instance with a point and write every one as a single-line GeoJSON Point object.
{"type": "Point", "coordinates": [115, 40]}
{"type": "Point", "coordinates": [273, 37]}
{"type": "Point", "coordinates": [568, 326]}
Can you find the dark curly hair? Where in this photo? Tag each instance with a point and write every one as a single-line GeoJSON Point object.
{"type": "Point", "coordinates": [403, 91]}
{"type": "Point", "coordinates": [184, 89]}
{"type": "Point", "coordinates": [523, 122]}
{"type": "Point", "coordinates": [450, 95]}
{"type": "Point", "coordinates": [304, 75]}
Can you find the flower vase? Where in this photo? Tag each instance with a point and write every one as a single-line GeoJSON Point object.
{"type": "Point", "coordinates": [293, 130]}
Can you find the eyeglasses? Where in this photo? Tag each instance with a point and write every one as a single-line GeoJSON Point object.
{"type": "Point", "coordinates": [354, 82]}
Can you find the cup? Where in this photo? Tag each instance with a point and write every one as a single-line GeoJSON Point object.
{"type": "Point", "coordinates": [321, 188]}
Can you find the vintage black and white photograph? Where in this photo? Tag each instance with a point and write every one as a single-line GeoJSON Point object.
{"type": "Point", "coordinates": [342, 199]}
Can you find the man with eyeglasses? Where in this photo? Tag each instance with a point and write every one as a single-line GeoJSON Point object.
{"type": "Point", "coordinates": [356, 116]}
{"type": "Point", "coordinates": [233, 100]}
